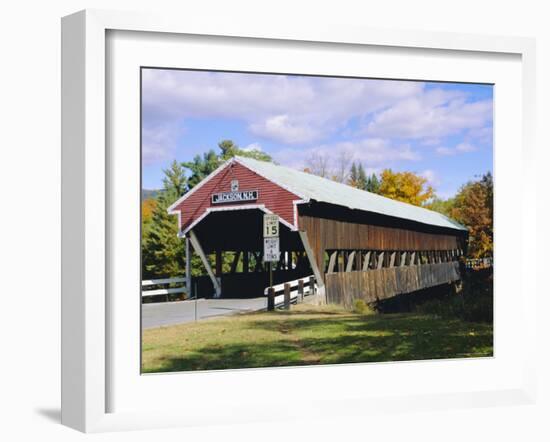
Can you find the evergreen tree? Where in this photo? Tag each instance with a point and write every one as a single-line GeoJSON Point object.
{"type": "Point", "coordinates": [373, 184]}
{"type": "Point", "coordinates": [228, 149]}
{"type": "Point", "coordinates": [361, 178]}
{"type": "Point", "coordinates": [201, 167]}
{"type": "Point", "coordinates": [174, 179]}
{"type": "Point", "coordinates": [162, 250]}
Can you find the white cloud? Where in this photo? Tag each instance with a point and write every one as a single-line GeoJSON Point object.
{"type": "Point", "coordinates": [465, 147]}
{"type": "Point", "coordinates": [158, 142]}
{"type": "Point", "coordinates": [445, 150]}
{"type": "Point", "coordinates": [430, 141]}
{"type": "Point", "coordinates": [431, 115]}
{"type": "Point", "coordinates": [483, 135]}
{"type": "Point", "coordinates": [459, 148]}
{"type": "Point", "coordinates": [297, 110]}
{"type": "Point", "coordinates": [281, 128]}
{"type": "Point", "coordinates": [431, 177]}
{"type": "Point", "coordinates": [285, 109]}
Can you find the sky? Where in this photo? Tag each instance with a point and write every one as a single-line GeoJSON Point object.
{"type": "Point", "coordinates": [442, 131]}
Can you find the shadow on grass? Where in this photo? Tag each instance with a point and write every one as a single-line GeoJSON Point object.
{"type": "Point", "coordinates": [323, 339]}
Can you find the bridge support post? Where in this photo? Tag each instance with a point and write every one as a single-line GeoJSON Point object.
{"type": "Point", "coordinates": [188, 267]}
{"type": "Point", "coordinates": [314, 267]}
{"type": "Point", "coordinates": [312, 285]}
{"type": "Point", "coordinates": [200, 252]}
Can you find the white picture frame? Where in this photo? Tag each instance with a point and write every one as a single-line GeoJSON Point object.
{"type": "Point", "coordinates": [86, 211]}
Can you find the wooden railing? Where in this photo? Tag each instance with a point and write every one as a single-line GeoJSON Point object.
{"type": "Point", "coordinates": [479, 263]}
{"type": "Point", "coordinates": [291, 292]}
{"type": "Point", "coordinates": [148, 287]}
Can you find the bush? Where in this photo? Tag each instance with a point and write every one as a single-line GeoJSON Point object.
{"type": "Point", "coordinates": [474, 303]}
{"type": "Point", "coordinates": [361, 308]}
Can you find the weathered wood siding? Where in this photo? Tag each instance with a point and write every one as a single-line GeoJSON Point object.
{"type": "Point", "coordinates": [375, 285]}
{"type": "Point", "coordinates": [329, 234]}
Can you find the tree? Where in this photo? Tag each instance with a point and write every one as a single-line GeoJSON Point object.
{"type": "Point", "coordinates": [201, 167]}
{"type": "Point", "coordinates": [473, 207]}
{"type": "Point", "coordinates": [361, 178]}
{"type": "Point", "coordinates": [353, 179]}
{"type": "Point", "coordinates": [442, 206]}
{"type": "Point", "coordinates": [317, 164]}
{"type": "Point", "coordinates": [162, 250]}
{"type": "Point", "coordinates": [487, 182]}
{"type": "Point", "coordinates": [406, 187]}
{"type": "Point", "coordinates": [174, 179]}
{"type": "Point", "coordinates": [147, 209]}
{"type": "Point", "coordinates": [229, 150]}
{"type": "Point", "coordinates": [343, 161]}
{"type": "Point", "coordinates": [372, 184]}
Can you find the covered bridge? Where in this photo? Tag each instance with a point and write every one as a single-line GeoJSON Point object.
{"type": "Point", "coordinates": [356, 244]}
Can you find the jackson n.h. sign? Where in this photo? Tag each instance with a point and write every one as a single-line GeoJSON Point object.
{"type": "Point", "coordinates": [233, 197]}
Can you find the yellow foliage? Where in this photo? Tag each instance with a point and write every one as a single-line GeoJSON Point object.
{"type": "Point", "coordinates": [406, 187]}
{"type": "Point", "coordinates": [147, 208]}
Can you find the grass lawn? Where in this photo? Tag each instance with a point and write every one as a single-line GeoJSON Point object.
{"type": "Point", "coordinates": [310, 335]}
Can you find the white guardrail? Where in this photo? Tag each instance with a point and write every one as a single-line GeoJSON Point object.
{"type": "Point", "coordinates": [148, 283]}
{"type": "Point", "coordinates": [299, 288]}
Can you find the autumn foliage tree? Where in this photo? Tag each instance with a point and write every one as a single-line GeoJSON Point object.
{"type": "Point", "coordinates": [473, 207]}
{"type": "Point", "coordinates": [406, 187]}
{"type": "Point", "coordinates": [147, 208]}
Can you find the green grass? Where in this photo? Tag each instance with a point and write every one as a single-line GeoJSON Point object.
{"type": "Point", "coordinates": [309, 335]}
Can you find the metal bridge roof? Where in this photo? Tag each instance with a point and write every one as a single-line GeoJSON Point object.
{"type": "Point", "coordinates": [312, 187]}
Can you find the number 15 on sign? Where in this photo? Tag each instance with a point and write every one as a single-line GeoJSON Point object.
{"type": "Point", "coordinates": [271, 226]}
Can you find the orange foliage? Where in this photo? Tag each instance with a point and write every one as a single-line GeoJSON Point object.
{"type": "Point", "coordinates": [147, 208]}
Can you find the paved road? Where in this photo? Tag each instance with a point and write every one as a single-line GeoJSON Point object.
{"type": "Point", "coordinates": [170, 313]}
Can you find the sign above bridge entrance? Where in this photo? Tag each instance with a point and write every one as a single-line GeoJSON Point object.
{"type": "Point", "coordinates": [234, 197]}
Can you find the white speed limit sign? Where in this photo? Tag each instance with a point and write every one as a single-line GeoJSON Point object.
{"type": "Point", "coordinates": [271, 226]}
{"type": "Point", "coordinates": [271, 249]}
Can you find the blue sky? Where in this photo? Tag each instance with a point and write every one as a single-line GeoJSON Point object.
{"type": "Point", "coordinates": [442, 131]}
